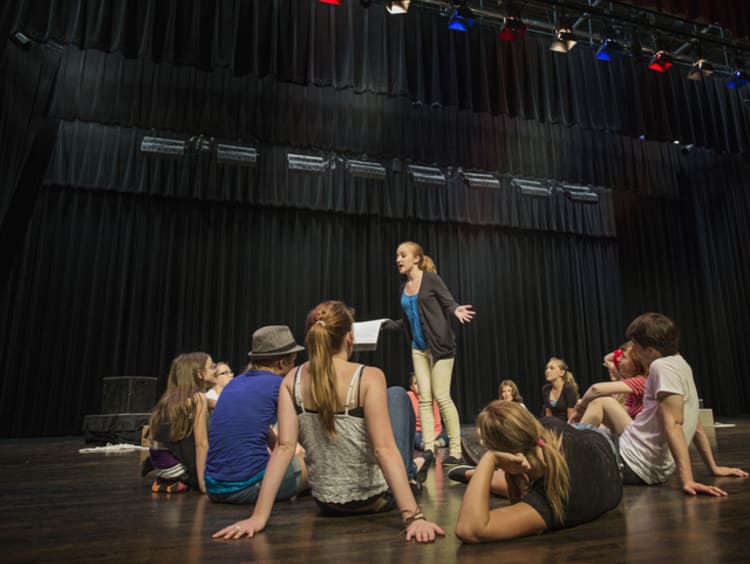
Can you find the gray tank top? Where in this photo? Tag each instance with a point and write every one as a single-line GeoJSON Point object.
{"type": "Point", "coordinates": [341, 468]}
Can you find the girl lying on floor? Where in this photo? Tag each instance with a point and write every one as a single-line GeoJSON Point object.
{"type": "Point", "coordinates": [555, 475]}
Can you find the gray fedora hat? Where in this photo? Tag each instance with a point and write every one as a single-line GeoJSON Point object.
{"type": "Point", "coordinates": [273, 340]}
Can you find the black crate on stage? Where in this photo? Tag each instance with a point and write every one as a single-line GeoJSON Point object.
{"type": "Point", "coordinates": [127, 402]}
{"type": "Point", "coordinates": [128, 394]}
{"type": "Point", "coordinates": [114, 428]}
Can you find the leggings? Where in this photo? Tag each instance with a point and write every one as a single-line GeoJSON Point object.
{"type": "Point", "coordinates": [434, 382]}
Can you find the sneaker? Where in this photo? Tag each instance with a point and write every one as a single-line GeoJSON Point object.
{"type": "Point", "coordinates": [416, 487]}
{"type": "Point", "coordinates": [450, 461]}
{"type": "Point", "coordinates": [422, 473]}
{"type": "Point", "coordinates": [472, 452]}
{"type": "Point", "coordinates": [161, 486]}
{"type": "Point", "coordinates": [458, 473]}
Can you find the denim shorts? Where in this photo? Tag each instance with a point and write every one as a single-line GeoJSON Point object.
{"type": "Point", "coordinates": [291, 485]}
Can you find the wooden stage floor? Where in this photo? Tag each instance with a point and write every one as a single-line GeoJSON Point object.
{"type": "Point", "coordinates": [62, 506]}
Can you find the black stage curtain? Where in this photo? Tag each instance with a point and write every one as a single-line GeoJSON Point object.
{"type": "Point", "coordinates": [128, 260]}
{"type": "Point", "coordinates": [114, 283]}
{"type": "Point", "coordinates": [26, 136]}
{"type": "Point", "coordinates": [415, 56]}
{"type": "Point", "coordinates": [109, 158]}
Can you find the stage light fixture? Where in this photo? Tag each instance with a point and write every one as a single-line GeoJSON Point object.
{"type": "Point", "coordinates": [306, 163]}
{"type": "Point", "coordinates": [427, 175]}
{"type": "Point", "coordinates": [738, 79]}
{"type": "Point", "coordinates": [366, 169]}
{"type": "Point", "coordinates": [461, 18]}
{"type": "Point", "coordinates": [334, 2]}
{"type": "Point", "coordinates": [397, 6]}
{"type": "Point", "coordinates": [700, 69]}
{"type": "Point", "coordinates": [579, 193]}
{"type": "Point", "coordinates": [532, 187]}
{"type": "Point", "coordinates": [163, 146]}
{"type": "Point", "coordinates": [565, 39]}
{"type": "Point", "coordinates": [513, 29]}
{"type": "Point", "coordinates": [660, 62]}
{"type": "Point", "coordinates": [609, 49]}
{"type": "Point", "coordinates": [481, 180]}
{"type": "Point", "coordinates": [236, 154]}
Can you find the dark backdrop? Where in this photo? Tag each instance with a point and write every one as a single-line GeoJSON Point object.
{"type": "Point", "coordinates": [117, 262]}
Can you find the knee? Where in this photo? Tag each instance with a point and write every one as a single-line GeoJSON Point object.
{"type": "Point", "coordinates": [397, 397]}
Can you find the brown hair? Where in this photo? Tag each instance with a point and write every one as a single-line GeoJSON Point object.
{"type": "Point", "coordinates": [627, 348]}
{"type": "Point", "coordinates": [514, 390]}
{"type": "Point", "coordinates": [328, 324]}
{"type": "Point", "coordinates": [507, 427]}
{"type": "Point", "coordinates": [179, 403]}
{"type": "Point", "coordinates": [426, 263]}
{"type": "Point", "coordinates": [568, 376]}
{"type": "Point", "coordinates": [655, 330]}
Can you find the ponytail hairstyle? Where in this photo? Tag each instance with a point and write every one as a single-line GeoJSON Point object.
{"type": "Point", "coordinates": [505, 426]}
{"type": "Point", "coordinates": [327, 326]}
{"type": "Point", "coordinates": [180, 400]}
{"type": "Point", "coordinates": [426, 263]}
{"type": "Point", "coordinates": [568, 376]}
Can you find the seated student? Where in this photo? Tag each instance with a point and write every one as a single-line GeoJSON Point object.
{"type": "Point", "coordinates": [655, 444]}
{"type": "Point", "coordinates": [441, 440]}
{"type": "Point", "coordinates": [340, 413]}
{"type": "Point", "coordinates": [224, 375]}
{"type": "Point", "coordinates": [632, 386]}
{"type": "Point", "coordinates": [560, 393]}
{"type": "Point", "coordinates": [556, 476]}
{"type": "Point", "coordinates": [241, 422]}
{"type": "Point", "coordinates": [508, 391]}
{"type": "Point", "coordinates": [178, 430]}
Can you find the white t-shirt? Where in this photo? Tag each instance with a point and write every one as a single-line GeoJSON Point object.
{"type": "Point", "coordinates": [643, 444]}
{"type": "Point", "coordinates": [211, 394]}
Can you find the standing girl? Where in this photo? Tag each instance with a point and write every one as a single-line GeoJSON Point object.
{"type": "Point", "coordinates": [428, 307]}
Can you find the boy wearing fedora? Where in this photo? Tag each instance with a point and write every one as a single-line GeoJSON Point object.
{"type": "Point", "coordinates": [240, 426]}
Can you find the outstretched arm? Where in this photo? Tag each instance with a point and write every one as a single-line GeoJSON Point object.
{"type": "Point", "coordinates": [277, 465]}
{"type": "Point", "coordinates": [464, 313]}
{"type": "Point", "coordinates": [602, 389]}
{"type": "Point", "coordinates": [671, 412]}
{"type": "Point", "coordinates": [477, 523]}
{"type": "Point", "coordinates": [700, 440]}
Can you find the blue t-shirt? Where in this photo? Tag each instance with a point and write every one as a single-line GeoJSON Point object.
{"type": "Point", "coordinates": [409, 304]}
{"type": "Point", "coordinates": [237, 438]}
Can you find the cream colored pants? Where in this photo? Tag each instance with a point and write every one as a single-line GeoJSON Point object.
{"type": "Point", "coordinates": [434, 382]}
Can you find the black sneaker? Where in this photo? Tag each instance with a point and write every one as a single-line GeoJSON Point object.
{"type": "Point", "coordinates": [416, 487]}
{"type": "Point", "coordinates": [422, 474]}
{"type": "Point", "coordinates": [458, 473]}
{"type": "Point", "coordinates": [451, 461]}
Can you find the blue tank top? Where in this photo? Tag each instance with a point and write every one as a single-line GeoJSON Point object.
{"type": "Point", "coordinates": [409, 305]}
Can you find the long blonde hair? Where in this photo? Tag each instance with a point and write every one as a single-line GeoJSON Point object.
{"type": "Point", "coordinates": [568, 376]}
{"type": "Point", "coordinates": [327, 326]}
{"type": "Point", "coordinates": [178, 403]}
{"type": "Point", "coordinates": [416, 249]}
{"type": "Point", "coordinates": [507, 427]}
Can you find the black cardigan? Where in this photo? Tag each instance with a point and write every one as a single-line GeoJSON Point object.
{"type": "Point", "coordinates": [436, 306]}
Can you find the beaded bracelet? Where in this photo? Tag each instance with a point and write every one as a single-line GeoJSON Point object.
{"type": "Point", "coordinates": [415, 516]}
